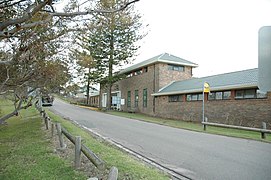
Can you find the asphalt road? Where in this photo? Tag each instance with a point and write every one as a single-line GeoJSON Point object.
{"type": "Point", "coordinates": [196, 155]}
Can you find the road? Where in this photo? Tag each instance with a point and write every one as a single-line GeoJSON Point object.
{"type": "Point", "coordinates": [193, 154]}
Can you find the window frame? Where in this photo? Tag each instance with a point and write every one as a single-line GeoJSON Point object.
{"type": "Point", "coordinates": [214, 96]}
{"type": "Point", "coordinates": [175, 98]}
{"type": "Point", "coordinates": [173, 67]}
{"type": "Point", "coordinates": [145, 97]}
{"type": "Point", "coordinates": [136, 98]}
{"type": "Point", "coordinates": [194, 97]}
{"type": "Point", "coordinates": [129, 99]}
{"type": "Point", "coordinates": [245, 95]}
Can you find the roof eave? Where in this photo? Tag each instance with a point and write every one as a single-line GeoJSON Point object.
{"type": "Point", "coordinates": [179, 63]}
{"type": "Point", "coordinates": [156, 61]}
{"type": "Point", "coordinates": [239, 86]}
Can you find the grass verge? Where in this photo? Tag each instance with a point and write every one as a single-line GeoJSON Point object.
{"type": "Point", "coordinates": [26, 153]}
{"type": "Point", "coordinates": [129, 167]}
{"type": "Point", "coordinates": [194, 126]}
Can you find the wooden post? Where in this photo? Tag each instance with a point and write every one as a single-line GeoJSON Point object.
{"type": "Point", "coordinates": [77, 160]}
{"type": "Point", "coordinates": [59, 133]}
{"type": "Point", "coordinates": [113, 174]}
{"type": "Point", "coordinates": [52, 129]}
{"type": "Point", "coordinates": [263, 127]}
{"type": "Point", "coordinates": [46, 122]}
{"type": "Point", "coordinates": [204, 125]}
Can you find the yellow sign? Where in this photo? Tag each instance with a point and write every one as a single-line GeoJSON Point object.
{"type": "Point", "coordinates": [206, 87]}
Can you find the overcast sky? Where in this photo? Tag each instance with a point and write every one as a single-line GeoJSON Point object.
{"type": "Point", "coordinates": [219, 35]}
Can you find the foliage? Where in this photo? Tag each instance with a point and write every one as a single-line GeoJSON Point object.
{"type": "Point", "coordinates": [110, 40]}
{"type": "Point", "coordinates": [31, 39]}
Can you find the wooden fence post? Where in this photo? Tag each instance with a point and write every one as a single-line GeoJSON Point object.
{"type": "Point", "coordinates": [60, 137]}
{"type": "Point", "coordinates": [52, 129]}
{"type": "Point", "coordinates": [77, 144]}
{"type": "Point", "coordinates": [113, 174]}
{"type": "Point", "coordinates": [263, 127]}
{"type": "Point", "coordinates": [46, 119]}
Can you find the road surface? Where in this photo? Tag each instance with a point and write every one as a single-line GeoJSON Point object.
{"type": "Point", "coordinates": [193, 154]}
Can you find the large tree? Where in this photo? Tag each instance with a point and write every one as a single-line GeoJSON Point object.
{"type": "Point", "coordinates": [111, 40]}
{"type": "Point", "coordinates": [29, 42]}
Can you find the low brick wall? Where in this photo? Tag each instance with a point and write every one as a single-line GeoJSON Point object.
{"type": "Point", "coordinates": [243, 112]}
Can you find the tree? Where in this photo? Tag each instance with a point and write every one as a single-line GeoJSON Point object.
{"type": "Point", "coordinates": [32, 64]}
{"type": "Point", "coordinates": [30, 32]}
{"type": "Point", "coordinates": [112, 43]}
{"type": "Point", "coordinates": [84, 63]}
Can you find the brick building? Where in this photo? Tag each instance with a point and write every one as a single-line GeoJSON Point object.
{"type": "Point", "coordinates": [134, 93]}
{"type": "Point", "coordinates": [163, 86]}
{"type": "Point", "coordinates": [234, 99]}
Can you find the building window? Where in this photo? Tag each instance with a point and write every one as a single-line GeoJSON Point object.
{"type": "Point", "coordinates": [138, 72]}
{"type": "Point", "coordinates": [194, 97]}
{"type": "Point", "coordinates": [145, 69]}
{"type": "Point", "coordinates": [175, 98]}
{"type": "Point", "coordinates": [219, 95]}
{"type": "Point", "coordinates": [245, 94]}
{"type": "Point", "coordinates": [136, 98]}
{"type": "Point", "coordinates": [129, 99]}
{"type": "Point", "coordinates": [175, 67]}
{"type": "Point", "coordinates": [145, 97]}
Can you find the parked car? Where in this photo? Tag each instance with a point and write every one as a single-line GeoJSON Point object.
{"type": "Point", "coordinates": [47, 100]}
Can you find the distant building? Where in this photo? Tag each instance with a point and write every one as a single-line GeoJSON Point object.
{"type": "Point", "coordinates": [163, 86]}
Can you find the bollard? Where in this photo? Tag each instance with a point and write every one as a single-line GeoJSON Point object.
{"type": "Point", "coordinates": [77, 160]}
{"type": "Point", "coordinates": [263, 127]}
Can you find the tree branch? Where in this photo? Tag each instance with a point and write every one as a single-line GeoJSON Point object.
{"type": "Point", "coordinates": [27, 16]}
{"type": "Point", "coordinates": [33, 9]}
{"type": "Point", "coordinates": [2, 85]}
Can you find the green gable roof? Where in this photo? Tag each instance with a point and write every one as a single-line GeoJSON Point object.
{"type": "Point", "coordinates": [234, 80]}
{"type": "Point", "coordinates": [163, 58]}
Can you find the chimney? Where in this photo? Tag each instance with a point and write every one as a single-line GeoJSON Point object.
{"type": "Point", "coordinates": [264, 59]}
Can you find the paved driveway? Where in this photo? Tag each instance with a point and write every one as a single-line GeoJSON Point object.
{"type": "Point", "coordinates": [193, 154]}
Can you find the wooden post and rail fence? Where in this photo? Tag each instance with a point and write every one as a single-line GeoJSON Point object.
{"type": "Point", "coordinates": [79, 147]}
{"type": "Point", "coordinates": [262, 130]}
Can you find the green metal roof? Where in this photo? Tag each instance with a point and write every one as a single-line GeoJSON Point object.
{"type": "Point", "coordinates": [163, 58]}
{"type": "Point", "coordinates": [235, 80]}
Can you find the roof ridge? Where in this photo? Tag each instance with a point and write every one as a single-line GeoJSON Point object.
{"type": "Point", "coordinates": [161, 56]}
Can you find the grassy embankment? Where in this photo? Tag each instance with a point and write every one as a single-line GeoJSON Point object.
{"type": "Point", "coordinates": [26, 153]}
{"type": "Point", "coordinates": [195, 126]}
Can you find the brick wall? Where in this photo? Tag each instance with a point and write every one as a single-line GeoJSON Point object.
{"type": "Point", "coordinates": [167, 76]}
{"type": "Point", "coordinates": [157, 77]}
{"type": "Point", "coordinates": [244, 112]}
{"type": "Point", "coordinates": [139, 82]}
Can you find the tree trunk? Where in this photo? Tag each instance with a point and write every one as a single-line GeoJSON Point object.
{"type": "Point", "coordinates": [88, 84]}
{"type": "Point", "coordinates": [110, 65]}
{"type": "Point", "coordinates": [15, 112]}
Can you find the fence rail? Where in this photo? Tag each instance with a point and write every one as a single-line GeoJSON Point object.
{"type": "Point", "coordinates": [76, 140]}
{"type": "Point", "coordinates": [262, 130]}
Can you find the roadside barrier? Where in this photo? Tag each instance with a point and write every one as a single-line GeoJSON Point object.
{"type": "Point", "coordinates": [76, 140]}
{"type": "Point", "coordinates": [263, 131]}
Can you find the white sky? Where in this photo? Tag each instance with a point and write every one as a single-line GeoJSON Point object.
{"type": "Point", "coordinates": [219, 35]}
